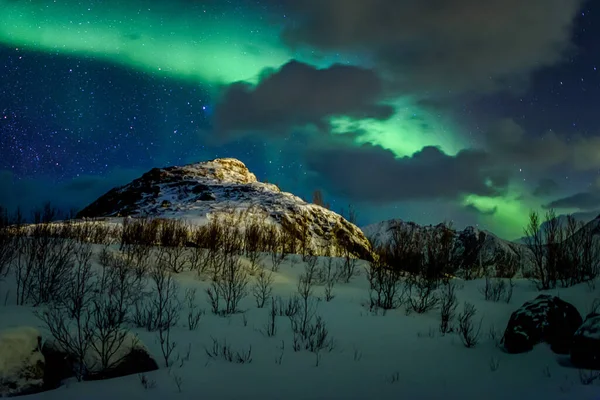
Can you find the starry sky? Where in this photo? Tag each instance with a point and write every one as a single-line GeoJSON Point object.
{"type": "Point", "coordinates": [467, 111]}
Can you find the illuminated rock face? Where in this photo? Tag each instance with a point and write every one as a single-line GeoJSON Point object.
{"type": "Point", "coordinates": [202, 191]}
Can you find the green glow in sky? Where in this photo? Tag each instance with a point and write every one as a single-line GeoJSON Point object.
{"type": "Point", "coordinates": [408, 131]}
{"type": "Point", "coordinates": [180, 43]}
{"type": "Point", "coordinates": [507, 215]}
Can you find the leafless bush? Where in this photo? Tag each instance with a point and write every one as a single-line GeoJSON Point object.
{"type": "Point", "coordinates": [494, 364]}
{"type": "Point", "coordinates": [587, 377]}
{"type": "Point", "coordinates": [493, 290]}
{"type": "Point", "coordinates": [194, 313]}
{"type": "Point", "coordinates": [330, 277]}
{"type": "Point", "coordinates": [197, 256]}
{"type": "Point", "coordinates": [224, 351]}
{"type": "Point", "coordinates": [165, 306]}
{"type": "Point", "coordinates": [348, 267]}
{"type": "Point", "coordinates": [42, 266]}
{"type": "Point", "coordinates": [263, 288]}
{"type": "Point", "coordinates": [421, 294]}
{"type": "Point", "coordinates": [287, 308]}
{"type": "Point", "coordinates": [229, 287]}
{"type": "Point", "coordinates": [270, 328]}
{"type": "Point", "coordinates": [137, 256]}
{"type": "Point", "coordinates": [466, 326]}
{"type": "Point", "coordinates": [385, 286]}
{"type": "Point", "coordinates": [254, 241]}
{"type": "Point", "coordinates": [275, 246]}
{"type": "Point", "coordinates": [448, 304]}
{"type": "Point", "coordinates": [87, 321]}
{"type": "Point", "coordinates": [146, 382]}
{"type": "Point", "coordinates": [139, 231]}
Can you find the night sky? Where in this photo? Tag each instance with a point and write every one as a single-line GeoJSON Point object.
{"type": "Point", "coordinates": [464, 110]}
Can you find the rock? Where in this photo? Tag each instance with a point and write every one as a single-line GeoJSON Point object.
{"type": "Point", "coordinates": [59, 364]}
{"type": "Point", "coordinates": [544, 319]}
{"type": "Point", "coordinates": [132, 357]}
{"type": "Point", "coordinates": [585, 347]}
{"type": "Point", "coordinates": [21, 362]}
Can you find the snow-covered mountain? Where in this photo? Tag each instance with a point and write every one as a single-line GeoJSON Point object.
{"type": "Point", "coordinates": [201, 191]}
{"type": "Point", "coordinates": [492, 247]}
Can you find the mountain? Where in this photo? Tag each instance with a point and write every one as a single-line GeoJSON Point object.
{"type": "Point", "coordinates": [490, 248]}
{"type": "Point", "coordinates": [201, 191]}
{"type": "Point", "coordinates": [580, 217]}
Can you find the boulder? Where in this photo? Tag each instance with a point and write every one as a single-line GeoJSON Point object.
{"type": "Point", "coordinates": [585, 348]}
{"type": "Point", "coordinates": [544, 319]}
{"type": "Point", "coordinates": [132, 357]}
{"type": "Point", "coordinates": [21, 362]}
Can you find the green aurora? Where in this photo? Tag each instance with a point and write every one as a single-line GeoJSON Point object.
{"type": "Point", "coordinates": [195, 45]}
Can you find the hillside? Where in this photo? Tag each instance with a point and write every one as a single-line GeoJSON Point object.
{"type": "Point", "coordinates": [202, 191]}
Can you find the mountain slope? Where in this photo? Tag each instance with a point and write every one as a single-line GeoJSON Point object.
{"type": "Point", "coordinates": [492, 247]}
{"type": "Point", "coordinates": [201, 191]}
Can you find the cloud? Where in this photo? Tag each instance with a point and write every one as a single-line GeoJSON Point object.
{"type": "Point", "coordinates": [545, 187]}
{"type": "Point", "coordinates": [583, 201]}
{"type": "Point", "coordinates": [511, 145]}
{"type": "Point", "coordinates": [441, 45]}
{"type": "Point", "coordinates": [298, 95]}
{"type": "Point", "coordinates": [472, 208]}
{"type": "Point", "coordinates": [372, 174]}
{"type": "Point", "coordinates": [31, 193]}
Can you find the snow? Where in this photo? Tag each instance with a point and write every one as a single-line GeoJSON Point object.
{"type": "Point", "coordinates": [387, 356]}
{"type": "Point", "coordinates": [18, 354]}
{"type": "Point", "coordinates": [590, 328]}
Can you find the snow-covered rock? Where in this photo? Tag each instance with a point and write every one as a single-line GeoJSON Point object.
{"type": "Point", "coordinates": [544, 319]}
{"type": "Point", "coordinates": [132, 357]}
{"type": "Point", "coordinates": [585, 349]}
{"type": "Point", "coordinates": [201, 191]}
{"type": "Point", "coordinates": [21, 362]}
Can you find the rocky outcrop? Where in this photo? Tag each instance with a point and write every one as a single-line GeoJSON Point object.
{"type": "Point", "coordinates": [131, 357]}
{"type": "Point", "coordinates": [199, 192]}
{"type": "Point", "coordinates": [585, 347]}
{"type": "Point", "coordinates": [21, 362]}
{"type": "Point", "coordinates": [544, 319]}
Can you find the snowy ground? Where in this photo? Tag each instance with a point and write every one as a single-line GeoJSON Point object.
{"type": "Point", "coordinates": [396, 356]}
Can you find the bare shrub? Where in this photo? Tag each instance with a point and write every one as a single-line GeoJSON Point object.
{"type": "Point", "coordinates": [224, 351]}
{"type": "Point", "coordinates": [165, 306]}
{"type": "Point", "coordinates": [146, 382]}
{"type": "Point", "coordinates": [448, 304]}
{"type": "Point", "coordinates": [330, 276]}
{"type": "Point", "coordinates": [270, 328]}
{"type": "Point", "coordinates": [194, 313]}
{"type": "Point", "coordinates": [287, 308]}
{"type": "Point", "coordinates": [263, 288]}
{"type": "Point", "coordinates": [230, 287]}
{"type": "Point", "coordinates": [42, 265]}
{"type": "Point", "coordinates": [469, 334]}
{"type": "Point", "coordinates": [254, 241]}
{"type": "Point", "coordinates": [494, 289]}
{"type": "Point", "coordinates": [494, 364]}
{"type": "Point", "coordinates": [421, 294]}
{"type": "Point", "coordinates": [385, 286]}
{"type": "Point", "coordinates": [587, 377]}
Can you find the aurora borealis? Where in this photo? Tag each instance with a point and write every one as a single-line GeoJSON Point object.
{"type": "Point", "coordinates": [424, 112]}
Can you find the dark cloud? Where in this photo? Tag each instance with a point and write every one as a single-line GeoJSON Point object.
{"type": "Point", "coordinates": [509, 144]}
{"type": "Point", "coordinates": [472, 208]}
{"type": "Point", "coordinates": [298, 95]}
{"type": "Point", "coordinates": [372, 174]}
{"type": "Point", "coordinates": [545, 187]}
{"type": "Point", "coordinates": [31, 193]}
{"type": "Point", "coordinates": [437, 45]}
{"type": "Point", "coordinates": [583, 201]}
